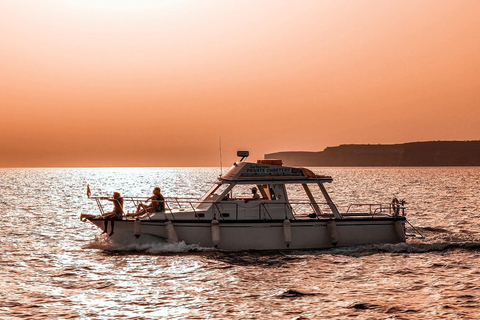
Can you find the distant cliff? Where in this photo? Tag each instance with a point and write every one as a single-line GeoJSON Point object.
{"type": "Point", "coordinates": [431, 153]}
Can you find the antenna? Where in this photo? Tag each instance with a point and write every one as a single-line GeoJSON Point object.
{"type": "Point", "coordinates": [220, 147]}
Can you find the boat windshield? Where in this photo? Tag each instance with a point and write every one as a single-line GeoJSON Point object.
{"type": "Point", "coordinates": [264, 192]}
{"type": "Point", "coordinates": [212, 195]}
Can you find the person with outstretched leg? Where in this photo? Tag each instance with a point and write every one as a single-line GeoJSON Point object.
{"type": "Point", "coordinates": [116, 214]}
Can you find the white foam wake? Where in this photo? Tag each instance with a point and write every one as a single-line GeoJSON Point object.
{"type": "Point", "coordinates": [151, 245]}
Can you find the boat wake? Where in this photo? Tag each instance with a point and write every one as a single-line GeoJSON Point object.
{"type": "Point", "coordinates": [102, 242]}
{"type": "Point", "coordinates": [105, 244]}
{"type": "Point", "coordinates": [437, 240]}
{"type": "Point", "coordinates": [414, 247]}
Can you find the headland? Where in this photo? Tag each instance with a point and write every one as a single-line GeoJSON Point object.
{"type": "Point", "coordinates": [428, 153]}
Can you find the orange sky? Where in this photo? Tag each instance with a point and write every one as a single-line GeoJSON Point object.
{"type": "Point", "coordinates": [156, 83]}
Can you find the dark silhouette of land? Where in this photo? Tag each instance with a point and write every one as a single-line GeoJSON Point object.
{"type": "Point", "coordinates": [430, 153]}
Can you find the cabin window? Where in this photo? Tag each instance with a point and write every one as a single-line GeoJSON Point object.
{"type": "Point", "coordinates": [295, 192]}
{"type": "Point", "coordinates": [265, 192]}
{"type": "Point", "coordinates": [244, 192]}
{"type": "Point", "coordinates": [217, 192]}
{"type": "Point", "coordinates": [304, 203]}
{"type": "Point", "coordinates": [213, 194]}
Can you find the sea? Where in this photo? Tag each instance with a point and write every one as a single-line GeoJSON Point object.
{"type": "Point", "coordinates": [53, 266]}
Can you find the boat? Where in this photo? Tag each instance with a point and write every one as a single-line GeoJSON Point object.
{"type": "Point", "coordinates": [258, 206]}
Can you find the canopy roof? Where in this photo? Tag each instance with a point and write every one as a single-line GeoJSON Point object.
{"type": "Point", "coordinates": [248, 171]}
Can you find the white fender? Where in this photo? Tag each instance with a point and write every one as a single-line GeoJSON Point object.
{"type": "Point", "coordinates": [171, 233]}
{"type": "Point", "coordinates": [215, 232]}
{"type": "Point", "coordinates": [400, 230]}
{"type": "Point", "coordinates": [137, 228]}
{"type": "Point", "coordinates": [287, 232]}
{"type": "Point", "coordinates": [332, 232]}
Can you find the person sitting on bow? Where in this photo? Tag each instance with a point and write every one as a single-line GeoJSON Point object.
{"type": "Point", "coordinates": [117, 212]}
{"type": "Point", "coordinates": [157, 204]}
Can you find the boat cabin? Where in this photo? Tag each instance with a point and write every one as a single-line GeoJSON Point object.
{"type": "Point", "coordinates": [265, 190]}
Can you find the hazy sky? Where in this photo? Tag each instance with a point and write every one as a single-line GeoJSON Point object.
{"type": "Point", "coordinates": [156, 83]}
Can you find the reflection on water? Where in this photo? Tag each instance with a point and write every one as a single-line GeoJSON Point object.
{"type": "Point", "coordinates": [54, 266]}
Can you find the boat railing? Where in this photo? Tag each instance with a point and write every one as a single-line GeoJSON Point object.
{"type": "Point", "coordinates": [295, 208]}
{"type": "Point", "coordinates": [375, 209]}
{"type": "Point", "coordinates": [224, 210]}
{"type": "Point", "coordinates": [130, 204]}
{"type": "Point", "coordinates": [302, 208]}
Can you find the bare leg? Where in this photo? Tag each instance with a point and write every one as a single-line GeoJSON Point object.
{"type": "Point", "coordinates": [112, 223]}
{"type": "Point", "coordinates": [106, 217]}
{"type": "Point", "coordinates": [140, 208]}
{"type": "Point", "coordinates": [106, 226]}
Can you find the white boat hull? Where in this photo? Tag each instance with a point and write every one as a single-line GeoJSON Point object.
{"type": "Point", "coordinates": [237, 235]}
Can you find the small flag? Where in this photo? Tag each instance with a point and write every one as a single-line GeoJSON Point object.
{"type": "Point", "coordinates": [88, 191]}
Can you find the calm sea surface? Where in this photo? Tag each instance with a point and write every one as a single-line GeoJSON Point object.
{"type": "Point", "coordinates": [54, 266]}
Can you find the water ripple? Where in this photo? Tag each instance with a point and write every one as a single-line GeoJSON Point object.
{"type": "Point", "coordinates": [54, 266]}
